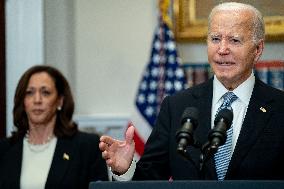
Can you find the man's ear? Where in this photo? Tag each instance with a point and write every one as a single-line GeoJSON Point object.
{"type": "Point", "coordinates": [259, 50]}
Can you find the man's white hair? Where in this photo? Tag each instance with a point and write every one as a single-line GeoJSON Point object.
{"type": "Point", "coordinates": [258, 22]}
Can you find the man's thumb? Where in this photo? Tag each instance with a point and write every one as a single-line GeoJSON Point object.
{"type": "Point", "coordinates": [129, 134]}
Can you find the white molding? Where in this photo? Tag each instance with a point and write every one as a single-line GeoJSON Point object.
{"type": "Point", "coordinates": [111, 125]}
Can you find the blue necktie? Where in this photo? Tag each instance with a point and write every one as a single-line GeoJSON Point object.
{"type": "Point", "coordinates": [223, 155]}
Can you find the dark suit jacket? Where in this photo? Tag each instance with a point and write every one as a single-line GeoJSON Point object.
{"type": "Point", "coordinates": [259, 152]}
{"type": "Point", "coordinates": [85, 163]}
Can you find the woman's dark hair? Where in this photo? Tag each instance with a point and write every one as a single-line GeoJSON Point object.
{"type": "Point", "coordinates": [64, 127]}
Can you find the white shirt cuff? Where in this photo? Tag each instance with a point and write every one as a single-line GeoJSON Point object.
{"type": "Point", "coordinates": [126, 176]}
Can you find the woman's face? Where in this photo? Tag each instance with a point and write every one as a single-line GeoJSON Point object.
{"type": "Point", "coordinates": [41, 99]}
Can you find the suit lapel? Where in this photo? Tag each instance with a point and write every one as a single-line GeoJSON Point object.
{"type": "Point", "coordinates": [13, 163]}
{"type": "Point", "coordinates": [204, 99]}
{"type": "Point", "coordinates": [61, 160]}
{"type": "Point", "coordinates": [257, 115]}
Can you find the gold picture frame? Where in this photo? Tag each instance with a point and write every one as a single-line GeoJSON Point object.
{"type": "Point", "coordinates": [190, 18]}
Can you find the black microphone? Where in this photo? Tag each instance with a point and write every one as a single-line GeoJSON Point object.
{"type": "Point", "coordinates": [184, 136]}
{"type": "Point", "coordinates": [218, 135]}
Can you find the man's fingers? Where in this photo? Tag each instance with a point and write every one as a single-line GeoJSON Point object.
{"type": "Point", "coordinates": [103, 146]}
{"type": "Point", "coordinates": [109, 162]}
{"type": "Point", "coordinates": [104, 155]}
{"type": "Point", "coordinates": [108, 140]}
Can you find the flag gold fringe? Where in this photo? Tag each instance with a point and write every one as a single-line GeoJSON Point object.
{"type": "Point", "coordinates": [164, 6]}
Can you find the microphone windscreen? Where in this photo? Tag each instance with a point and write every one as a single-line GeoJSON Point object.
{"type": "Point", "coordinates": [225, 114]}
{"type": "Point", "coordinates": [189, 113]}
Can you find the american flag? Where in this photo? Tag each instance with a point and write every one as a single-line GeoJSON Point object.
{"type": "Point", "coordinates": [162, 76]}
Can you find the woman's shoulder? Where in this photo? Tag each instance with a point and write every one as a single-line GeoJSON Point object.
{"type": "Point", "coordinates": [4, 143]}
{"type": "Point", "coordinates": [86, 143]}
{"type": "Point", "coordinates": [87, 134]}
{"type": "Point", "coordinates": [85, 137]}
{"type": "Point", "coordinates": [7, 145]}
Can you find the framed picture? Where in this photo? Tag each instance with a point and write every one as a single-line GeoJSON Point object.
{"type": "Point", "coordinates": [190, 18]}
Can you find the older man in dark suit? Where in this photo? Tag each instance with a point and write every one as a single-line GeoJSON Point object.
{"type": "Point", "coordinates": [254, 147]}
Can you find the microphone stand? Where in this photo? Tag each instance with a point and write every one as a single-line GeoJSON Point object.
{"type": "Point", "coordinates": [186, 156]}
{"type": "Point", "coordinates": [207, 152]}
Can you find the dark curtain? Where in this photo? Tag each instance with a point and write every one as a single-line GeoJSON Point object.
{"type": "Point", "coordinates": [2, 72]}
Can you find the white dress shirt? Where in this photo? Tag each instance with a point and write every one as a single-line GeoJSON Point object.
{"type": "Point", "coordinates": [239, 106]}
{"type": "Point", "coordinates": [36, 163]}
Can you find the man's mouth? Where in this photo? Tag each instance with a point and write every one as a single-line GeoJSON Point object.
{"type": "Point", "coordinates": [225, 63]}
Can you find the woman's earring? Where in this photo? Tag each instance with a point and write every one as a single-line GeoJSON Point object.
{"type": "Point", "coordinates": [59, 108]}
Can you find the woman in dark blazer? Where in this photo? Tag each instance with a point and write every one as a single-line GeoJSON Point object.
{"type": "Point", "coordinates": [47, 150]}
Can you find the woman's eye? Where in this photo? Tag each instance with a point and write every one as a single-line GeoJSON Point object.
{"type": "Point", "coordinates": [29, 93]}
{"type": "Point", "coordinates": [46, 93]}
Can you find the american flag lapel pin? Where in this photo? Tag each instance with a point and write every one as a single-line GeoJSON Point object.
{"type": "Point", "coordinates": [66, 156]}
{"type": "Point", "coordinates": [262, 109]}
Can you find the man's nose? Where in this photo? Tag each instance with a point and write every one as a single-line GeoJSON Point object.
{"type": "Point", "coordinates": [223, 47]}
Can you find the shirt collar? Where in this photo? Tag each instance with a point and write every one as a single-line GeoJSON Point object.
{"type": "Point", "coordinates": [243, 91]}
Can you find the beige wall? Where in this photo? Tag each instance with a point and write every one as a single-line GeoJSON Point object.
{"type": "Point", "coordinates": [112, 40]}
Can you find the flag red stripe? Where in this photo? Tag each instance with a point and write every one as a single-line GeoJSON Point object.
{"type": "Point", "coordinates": [139, 144]}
